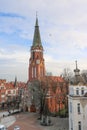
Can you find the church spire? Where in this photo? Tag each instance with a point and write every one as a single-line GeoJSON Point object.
{"type": "Point", "coordinates": [36, 61]}
{"type": "Point", "coordinates": [37, 39]}
{"type": "Point", "coordinates": [15, 82]}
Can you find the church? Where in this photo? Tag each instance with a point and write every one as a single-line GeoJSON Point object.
{"type": "Point", "coordinates": [56, 95]}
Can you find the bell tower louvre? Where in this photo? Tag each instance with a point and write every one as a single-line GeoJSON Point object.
{"type": "Point", "coordinates": [36, 62]}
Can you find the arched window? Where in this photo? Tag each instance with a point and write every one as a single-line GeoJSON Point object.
{"type": "Point", "coordinates": [33, 72]}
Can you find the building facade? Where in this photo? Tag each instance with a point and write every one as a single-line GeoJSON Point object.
{"type": "Point", "coordinates": [77, 103]}
{"type": "Point", "coordinates": [10, 93]}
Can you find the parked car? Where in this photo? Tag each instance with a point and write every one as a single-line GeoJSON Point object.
{"type": "Point", "coordinates": [3, 127]}
{"type": "Point", "coordinates": [17, 128]}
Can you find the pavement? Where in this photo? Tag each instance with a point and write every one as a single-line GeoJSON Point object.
{"type": "Point", "coordinates": [26, 121]}
{"type": "Point", "coordinates": [29, 121]}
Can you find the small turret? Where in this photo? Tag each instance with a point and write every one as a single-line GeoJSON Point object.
{"type": "Point", "coordinates": [76, 70]}
{"type": "Point", "coordinates": [78, 78]}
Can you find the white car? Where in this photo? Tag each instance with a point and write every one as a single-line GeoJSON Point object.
{"type": "Point", "coordinates": [16, 128]}
{"type": "Point", "coordinates": [2, 127]}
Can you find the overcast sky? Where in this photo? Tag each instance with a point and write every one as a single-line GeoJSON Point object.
{"type": "Point", "coordinates": [63, 29]}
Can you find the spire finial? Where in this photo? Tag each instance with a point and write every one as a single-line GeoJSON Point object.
{"type": "Point", "coordinates": [36, 14]}
{"type": "Point", "coordinates": [36, 19]}
{"type": "Point", "coordinates": [76, 64]}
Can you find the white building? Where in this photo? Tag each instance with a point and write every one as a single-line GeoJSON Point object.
{"type": "Point", "coordinates": [77, 102]}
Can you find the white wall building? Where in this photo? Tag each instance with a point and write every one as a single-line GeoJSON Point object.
{"type": "Point", "coordinates": [77, 100]}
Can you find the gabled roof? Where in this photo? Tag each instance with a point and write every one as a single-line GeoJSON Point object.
{"type": "Point", "coordinates": [57, 78]}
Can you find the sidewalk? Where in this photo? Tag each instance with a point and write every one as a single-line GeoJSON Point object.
{"type": "Point", "coordinates": [8, 121]}
{"type": "Point", "coordinates": [26, 121]}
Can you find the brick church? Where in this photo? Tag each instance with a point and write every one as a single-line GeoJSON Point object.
{"type": "Point", "coordinates": [36, 62]}
{"type": "Point", "coordinates": [37, 71]}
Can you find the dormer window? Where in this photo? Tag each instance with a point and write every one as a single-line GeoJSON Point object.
{"type": "Point", "coordinates": [77, 91]}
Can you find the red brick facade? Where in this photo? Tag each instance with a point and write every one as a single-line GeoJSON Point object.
{"type": "Point", "coordinates": [36, 64]}
{"type": "Point", "coordinates": [56, 94]}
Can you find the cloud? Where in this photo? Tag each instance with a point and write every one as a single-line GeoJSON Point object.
{"type": "Point", "coordinates": [14, 63]}
{"type": "Point", "coordinates": [63, 28]}
{"type": "Point", "coordinates": [12, 15]}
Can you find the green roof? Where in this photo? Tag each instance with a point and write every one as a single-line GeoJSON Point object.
{"type": "Point", "coordinates": [36, 39]}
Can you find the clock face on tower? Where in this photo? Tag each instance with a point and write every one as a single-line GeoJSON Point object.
{"type": "Point", "coordinates": [37, 61]}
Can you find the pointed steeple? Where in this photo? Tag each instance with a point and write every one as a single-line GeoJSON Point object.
{"type": "Point", "coordinates": [15, 82]}
{"type": "Point", "coordinates": [37, 39]}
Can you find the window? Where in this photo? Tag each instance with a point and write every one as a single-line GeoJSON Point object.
{"type": "Point", "coordinates": [79, 125]}
{"type": "Point", "coordinates": [33, 55]}
{"type": "Point", "coordinates": [2, 87]}
{"type": "Point", "coordinates": [9, 92]}
{"type": "Point", "coordinates": [78, 108]}
{"type": "Point", "coordinates": [35, 72]}
{"type": "Point", "coordinates": [71, 125]}
{"type": "Point", "coordinates": [13, 91]}
{"type": "Point", "coordinates": [82, 91]}
{"type": "Point", "coordinates": [77, 91]}
{"type": "Point", "coordinates": [70, 107]}
{"type": "Point", "coordinates": [32, 72]}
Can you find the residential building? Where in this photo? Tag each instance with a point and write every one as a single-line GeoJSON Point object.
{"type": "Point", "coordinates": [77, 102]}
{"type": "Point", "coordinates": [10, 93]}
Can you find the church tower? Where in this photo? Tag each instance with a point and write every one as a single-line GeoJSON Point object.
{"type": "Point", "coordinates": [36, 61]}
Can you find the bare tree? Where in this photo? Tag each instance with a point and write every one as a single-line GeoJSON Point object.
{"type": "Point", "coordinates": [38, 91]}
{"type": "Point", "coordinates": [84, 75]}
{"type": "Point", "coordinates": [39, 96]}
{"type": "Point", "coordinates": [67, 74]}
